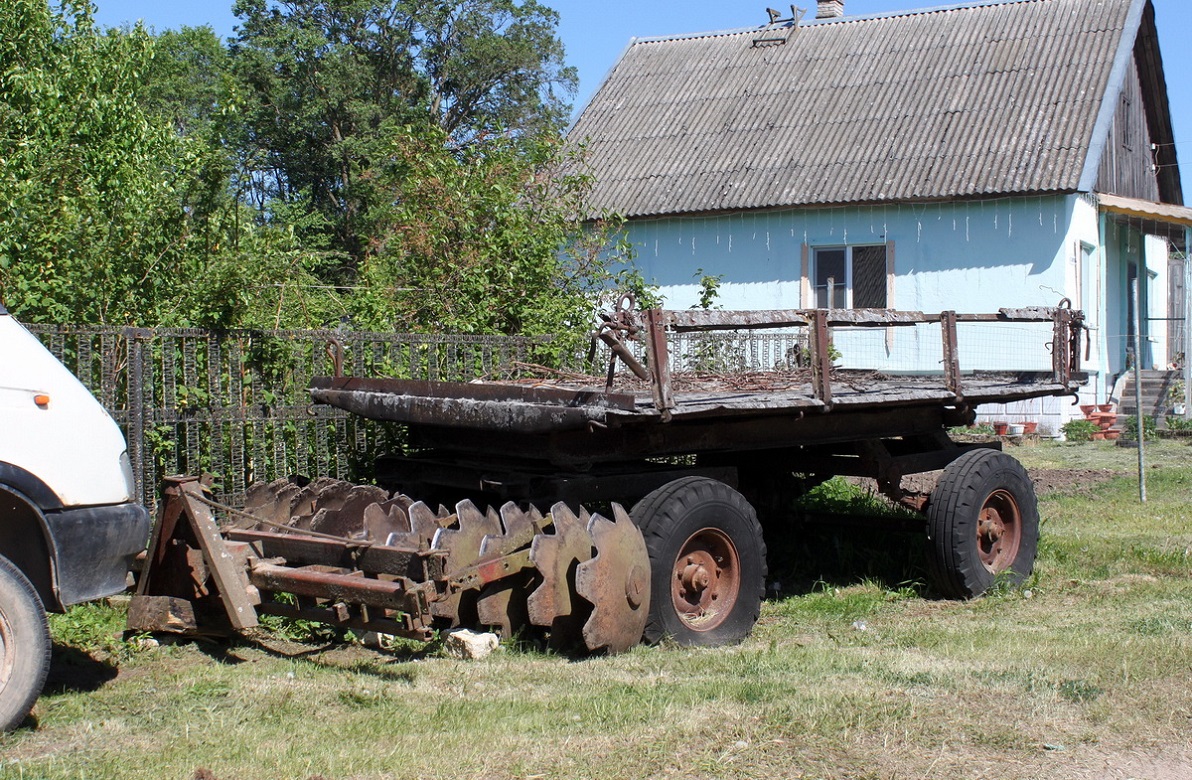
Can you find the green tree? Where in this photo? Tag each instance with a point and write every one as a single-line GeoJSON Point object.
{"type": "Point", "coordinates": [85, 213]}
{"type": "Point", "coordinates": [107, 213]}
{"type": "Point", "coordinates": [491, 65]}
{"type": "Point", "coordinates": [329, 82]}
{"type": "Point", "coordinates": [485, 239]}
{"type": "Point", "coordinates": [330, 163]}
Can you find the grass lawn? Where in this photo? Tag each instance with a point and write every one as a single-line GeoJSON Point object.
{"type": "Point", "coordinates": [1084, 673]}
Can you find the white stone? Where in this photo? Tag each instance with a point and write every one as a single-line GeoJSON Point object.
{"type": "Point", "coordinates": [469, 645]}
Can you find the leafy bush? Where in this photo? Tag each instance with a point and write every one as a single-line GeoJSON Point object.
{"type": "Point", "coordinates": [975, 429]}
{"type": "Point", "coordinates": [1131, 428]}
{"type": "Point", "coordinates": [1079, 430]}
{"type": "Point", "coordinates": [1179, 424]}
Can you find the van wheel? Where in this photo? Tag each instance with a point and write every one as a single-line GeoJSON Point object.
{"type": "Point", "coordinates": [24, 646]}
{"type": "Point", "coordinates": [707, 562]}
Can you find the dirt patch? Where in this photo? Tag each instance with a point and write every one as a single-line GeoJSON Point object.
{"type": "Point", "coordinates": [1068, 480]}
{"type": "Point", "coordinates": [1047, 481]}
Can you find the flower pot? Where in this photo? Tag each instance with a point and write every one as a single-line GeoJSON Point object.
{"type": "Point", "coordinates": [1014, 429]}
{"type": "Point", "coordinates": [1030, 426]}
{"type": "Point", "coordinates": [1098, 436]}
{"type": "Point", "coordinates": [1087, 409]}
{"type": "Point", "coordinates": [1105, 407]}
{"type": "Point", "coordinates": [1000, 428]}
{"type": "Point", "coordinates": [1112, 435]}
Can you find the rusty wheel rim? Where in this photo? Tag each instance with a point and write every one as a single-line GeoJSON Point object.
{"type": "Point", "coordinates": [999, 531]}
{"type": "Point", "coordinates": [705, 579]}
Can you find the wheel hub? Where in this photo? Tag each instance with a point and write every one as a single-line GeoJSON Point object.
{"type": "Point", "coordinates": [999, 531]}
{"type": "Point", "coordinates": [706, 579]}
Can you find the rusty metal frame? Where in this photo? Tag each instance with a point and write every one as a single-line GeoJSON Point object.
{"type": "Point", "coordinates": [719, 319]}
{"type": "Point", "coordinates": [951, 354]}
{"type": "Point", "coordinates": [1065, 354]}
{"type": "Point", "coordinates": [659, 352]}
{"type": "Point", "coordinates": [821, 358]}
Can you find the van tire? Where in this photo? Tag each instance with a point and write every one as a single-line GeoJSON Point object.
{"type": "Point", "coordinates": [24, 646]}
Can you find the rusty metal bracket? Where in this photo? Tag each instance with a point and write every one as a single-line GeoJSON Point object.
{"type": "Point", "coordinates": [475, 577]}
{"type": "Point", "coordinates": [951, 355]}
{"type": "Point", "coordinates": [659, 358]}
{"type": "Point", "coordinates": [616, 328]}
{"type": "Point", "coordinates": [335, 351]}
{"type": "Point", "coordinates": [1061, 363]}
{"type": "Point", "coordinates": [821, 358]}
{"type": "Point", "coordinates": [185, 517]}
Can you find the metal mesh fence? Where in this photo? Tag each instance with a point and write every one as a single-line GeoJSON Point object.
{"type": "Point", "coordinates": [236, 404]}
{"type": "Point", "coordinates": [906, 349]}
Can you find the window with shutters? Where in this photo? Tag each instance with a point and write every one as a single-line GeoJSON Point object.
{"type": "Point", "coordinates": [849, 277]}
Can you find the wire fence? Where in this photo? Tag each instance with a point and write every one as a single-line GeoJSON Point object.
{"type": "Point", "coordinates": [236, 404]}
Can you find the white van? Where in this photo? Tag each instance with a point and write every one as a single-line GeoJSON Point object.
{"type": "Point", "coordinates": [69, 522]}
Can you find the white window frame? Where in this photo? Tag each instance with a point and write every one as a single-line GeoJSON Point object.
{"type": "Point", "coordinates": [848, 270]}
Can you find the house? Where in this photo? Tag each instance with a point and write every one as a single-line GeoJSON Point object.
{"type": "Point", "coordinates": [968, 157]}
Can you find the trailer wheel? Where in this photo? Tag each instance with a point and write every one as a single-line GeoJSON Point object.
{"type": "Point", "coordinates": [707, 562]}
{"type": "Point", "coordinates": [982, 524]}
{"type": "Point", "coordinates": [24, 646]}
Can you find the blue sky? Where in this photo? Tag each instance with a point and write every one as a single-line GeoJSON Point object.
{"type": "Point", "coordinates": [595, 33]}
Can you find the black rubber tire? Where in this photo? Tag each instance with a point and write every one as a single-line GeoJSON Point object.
{"type": "Point", "coordinates": [669, 518]}
{"type": "Point", "coordinates": [971, 482]}
{"type": "Point", "coordinates": [24, 646]}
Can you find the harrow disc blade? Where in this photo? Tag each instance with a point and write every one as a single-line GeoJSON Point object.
{"type": "Point", "coordinates": [424, 524]}
{"type": "Point", "coordinates": [324, 494]}
{"type": "Point", "coordinates": [503, 604]}
{"type": "Point", "coordinates": [617, 583]}
{"type": "Point", "coordinates": [272, 502]}
{"type": "Point", "coordinates": [347, 519]}
{"type": "Point", "coordinates": [386, 521]}
{"type": "Point", "coordinates": [462, 547]}
{"type": "Point", "coordinates": [555, 556]}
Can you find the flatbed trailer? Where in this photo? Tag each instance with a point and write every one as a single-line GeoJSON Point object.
{"type": "Point", "coordinates": [704, 458]}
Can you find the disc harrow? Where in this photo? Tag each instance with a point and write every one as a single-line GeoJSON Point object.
{"type": "Point", "coordinates": [358, 557]}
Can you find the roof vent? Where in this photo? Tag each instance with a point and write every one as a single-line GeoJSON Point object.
{"type": "Point", "coordinates": [829, 9]}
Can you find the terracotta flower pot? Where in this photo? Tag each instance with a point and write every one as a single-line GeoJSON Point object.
{"type": "Point", "coordinates": [1087, 409]}
{"type": "Point", "coordinates": [1000, 428]}
{"type": "Point", "coordinates": [1112, 435]}
{"type": "Point", "coordinates": [1105, 407]}
{"type": "Point", "coordinates": [1030, 426]}
{"type": "Point", "coordinates": [1098, 436]}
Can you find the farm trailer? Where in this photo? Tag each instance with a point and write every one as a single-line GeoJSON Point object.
{"type": "Point", "coordinates": [706, 459]}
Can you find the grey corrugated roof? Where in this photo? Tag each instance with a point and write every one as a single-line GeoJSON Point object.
{"type": "Point", "coordinates": [964, 101]}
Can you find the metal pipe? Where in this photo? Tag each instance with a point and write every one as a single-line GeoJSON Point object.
{"type": "Point", "coordinates": [1135, 293]}
{"type": "Point", "coordinates": [1187, 341]}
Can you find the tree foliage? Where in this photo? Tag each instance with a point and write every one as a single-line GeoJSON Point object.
{"type": "Point", "coordinates": [483, 239]}
{"type": "Point", "coordinates": [86, 214]}
{"type": "Point", "coordinates": [396, 163]}
{"type": "Point", "coordinates": [329, 83]}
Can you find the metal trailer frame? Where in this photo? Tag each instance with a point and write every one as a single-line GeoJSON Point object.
{"type": "Point", "coordinates": [560, 441]}
{"type": "Point", "coordinates": [689, 564]}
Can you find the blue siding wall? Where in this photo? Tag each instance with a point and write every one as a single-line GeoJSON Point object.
{"type": "Point", "coordinates": [973, 256]}
{"type": "Point", "coordinates": [969, 257]}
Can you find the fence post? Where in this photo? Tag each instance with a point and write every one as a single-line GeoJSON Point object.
{"type": "Point", "coordinates": [135, 339]}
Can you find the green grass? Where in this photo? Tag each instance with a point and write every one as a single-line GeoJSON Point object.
{"type": "Point", "coordinates": [1087, 668]}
